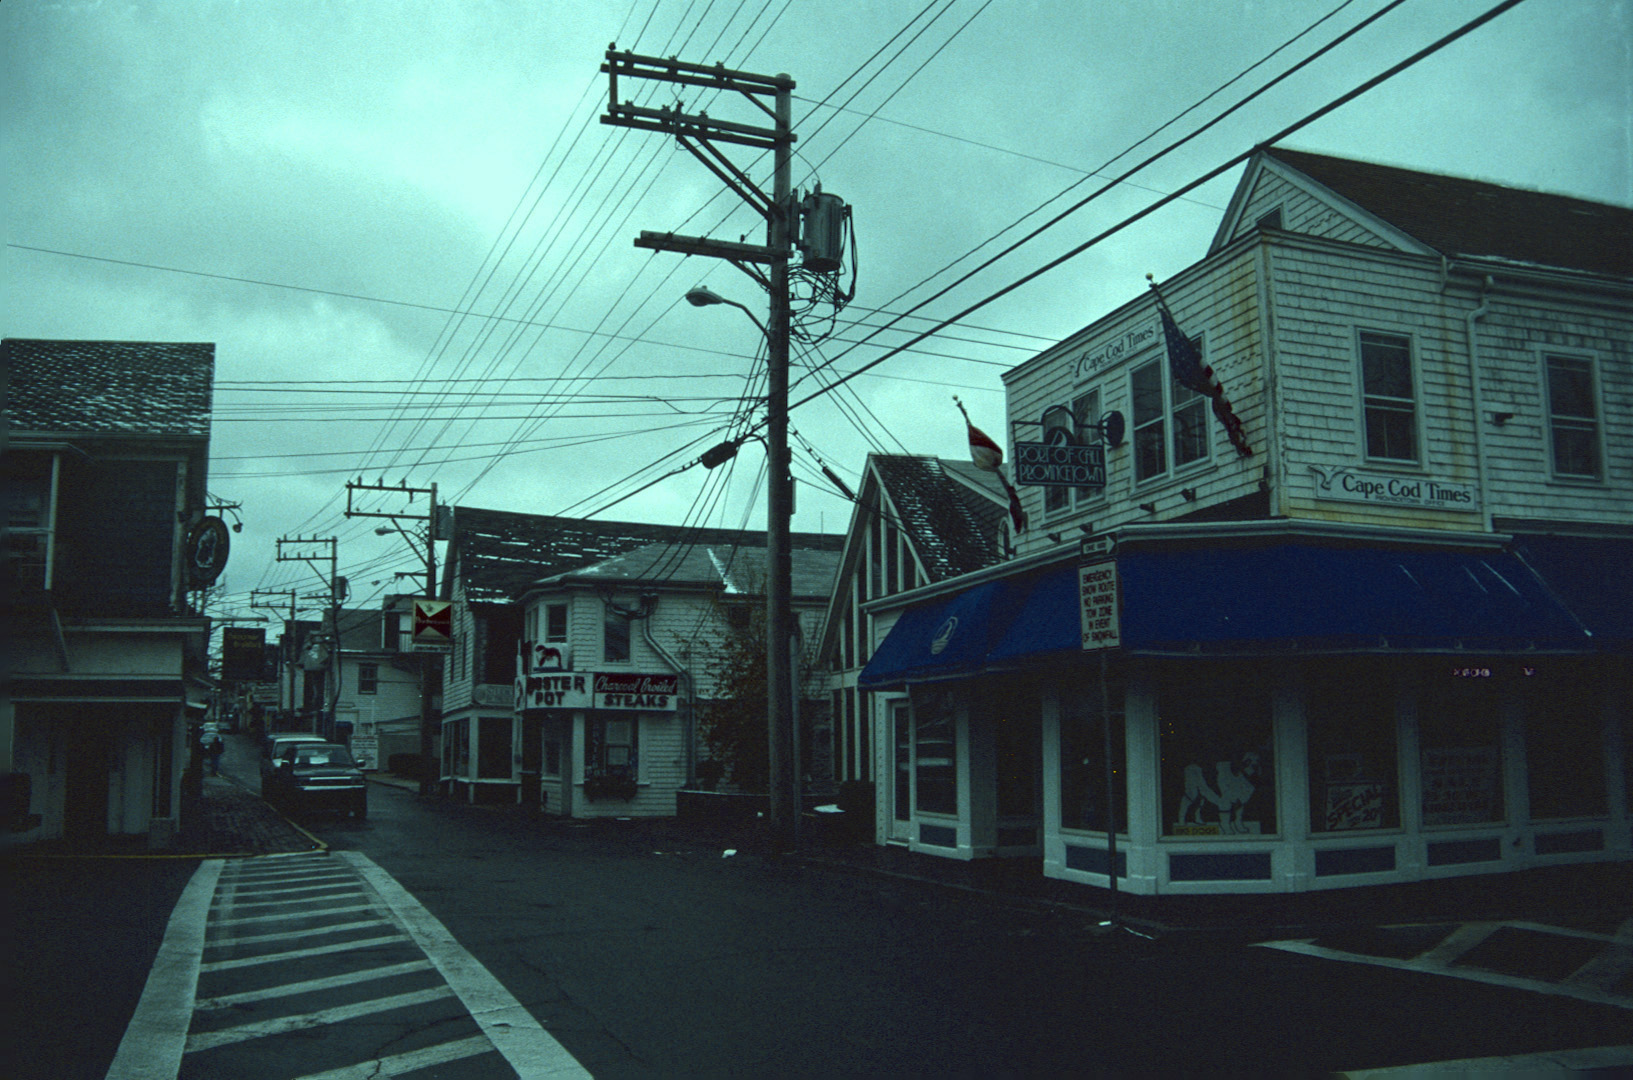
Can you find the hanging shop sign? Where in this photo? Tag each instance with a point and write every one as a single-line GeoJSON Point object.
{"type": "Point", "coordinates": [1059, 464]}
{"type": "Point", "coordinates": [243, 653]}
{"type": "Point", "coordinates": [433, 625]}
{"type": "Point", "coordinates": [1383, 489]}
{"type": "Point", "coordinates": [568, 690]}
{"type": "Point", "coordinates": [1097, 606]}
{"type": "Point", "coordinates": [646, 693]}
{"type": "Point", "coordinates": [207, 546]}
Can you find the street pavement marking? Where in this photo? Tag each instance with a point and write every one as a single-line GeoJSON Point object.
{"type": "Point", "coordinates": [1591, 982]}
{"type": "Point", "coordinates": [292, 892]}
{"type": "Point", "coordinates": [227, 1001]}
{"type": "Point", "coordinates": [1548, 1063]}
{"type": "Point", "coordinates": [531, 1050]}
{"type": "Point", "coordinates": [314, 901]}
{"type": "Point", "coordinates": [399, 1064]}
{"type": "Point", "coordinates": [291, 935]}
{"type": "Point", "coordinates": [206, 1040]}
{"type": "Point", "coordinates": [153, 1042]}
{"type": "Point", "coordinates": [298, 954]}
{"type": "Point", "coordinates": [290, 916]}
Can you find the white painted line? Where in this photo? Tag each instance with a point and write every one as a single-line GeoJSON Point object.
{"type": "Point", "coordinates": [300, 954]}
{"type": "Point", "coordinates": [329, 881]}
{"type": "Point", "coordinates": [153, 1041]}
{"type": "Point", "coordinates": [1458, 942]}
{"type": "Point", "coordinates": [206, 1040]}
{"type": "Point", "coordinates": [531, 1050]}
{"type": "Point", "coordinates": [414, 1060]}
{"type": "Point", "coordinates": [351, 889]}
{"type": "Point", "coordinates": [1547, 1063]}
{"type": "Point", "coordinates": [293, 935]}
{"type": "Point", "coordinates": [290, 916]}
{"type": "Point", "coordinates": [1473, 974]}
{"type": "Point", "coordinates": [351, 978]}
{"type": "Point", "coordinates": [286, 873]}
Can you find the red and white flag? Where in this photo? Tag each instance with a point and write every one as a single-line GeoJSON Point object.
{"type": "Point", "coordinates": [988, 455]}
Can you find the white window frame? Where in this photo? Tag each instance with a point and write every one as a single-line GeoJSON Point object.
{"type": "Point", "coordinates": [1075, 498]}
{"type": "Point", "coordinates": [1171, 469]}
{"type": "Point", "coordinates": [544, 622]}
{"type": "Point", "coordinates": [1544, 355]}
{"type": "Point", "coordinates": [1419, 458]}
{"type": "Point", "coordinates": [608, 613]}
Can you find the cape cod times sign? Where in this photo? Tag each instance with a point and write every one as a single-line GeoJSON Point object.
{"type": "Point", "coordinates": [1384, 489]}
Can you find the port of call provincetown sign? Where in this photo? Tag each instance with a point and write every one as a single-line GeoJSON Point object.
{"type": "Point", "coordinates": [1383, 489]}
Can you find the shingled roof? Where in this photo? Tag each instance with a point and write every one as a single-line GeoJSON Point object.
{"type": "Point", "coordinates": [730, 567]}
{"type": "Point", "coordinates": [1455, 216]}
{"type": "Point", "coordinates": [952, 511]}
{"type": "Point", "coordinates": [109, 387]}
{"type": "Point", "coordinates": [500, 553]}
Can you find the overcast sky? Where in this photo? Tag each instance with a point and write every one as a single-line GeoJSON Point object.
{"type": "Point", "coordinates": [316, 187]}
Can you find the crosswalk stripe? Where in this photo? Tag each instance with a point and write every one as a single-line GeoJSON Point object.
{"type": "Point", "coordinates": [533, 1052]}
{"type": "Point", "coordinates": [207, 1040]}
{"type": "Point", "coordinates": [413, 1060]}
{"type": "Point", "coordinates": [291, 916]}
{"type": "Point", "coordinates": [153, 1041]}
{"type": "Point", "coordinates": [300, 954]}
{"type": "Point", "coordinates": [227, 1001]}
{"type": "Point", "coordinates": [350, 891]}
{"type": "Point", "coordinates": [226, 940]}
{"type": "Point", "coordinates": [292, 892]}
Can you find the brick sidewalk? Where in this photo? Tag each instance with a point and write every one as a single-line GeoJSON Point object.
{"type": "Point", "coordinates": [226, 819]}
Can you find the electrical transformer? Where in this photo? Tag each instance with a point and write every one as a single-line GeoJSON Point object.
{"type": "Point", "coordinates": [821, 233]}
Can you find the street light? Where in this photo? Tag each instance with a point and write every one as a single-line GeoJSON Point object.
{"type": "Point", "coordinates": [780, 691]}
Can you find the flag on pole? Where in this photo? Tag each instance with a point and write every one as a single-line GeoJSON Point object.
{"type": "Point", "coordinates": [987, 455]}
{"type": "Point", "coordinates": [1186, 368]}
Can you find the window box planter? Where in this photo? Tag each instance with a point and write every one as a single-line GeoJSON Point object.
{"type": "Point", "coordinates": [609, 787]}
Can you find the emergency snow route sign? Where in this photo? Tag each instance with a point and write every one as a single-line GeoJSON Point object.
{"type": "Point", "coordinates": [433, 625]}
{"type": "Point", "coordinates": [1097, 604]}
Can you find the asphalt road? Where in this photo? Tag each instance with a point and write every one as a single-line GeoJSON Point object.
{"type": "Point", "coordinates": [657, 959]}
{"type": "Point", "coordinates": [646, 962]}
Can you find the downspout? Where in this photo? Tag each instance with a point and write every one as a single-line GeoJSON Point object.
{"type": "Point", "coordinates": [1469, 320]}
{"type": "Point", "coordinates": [688, 716]}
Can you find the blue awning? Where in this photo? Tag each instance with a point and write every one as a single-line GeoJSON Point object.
{"type": "Point", "coordinates": [1592, 576]}
{"type": "Point", "coordinates": [1285, 598]}
{"type": "Point", "coordinates": [1305, 597]}
{"type": "Point", "coordinates": [944, 639]}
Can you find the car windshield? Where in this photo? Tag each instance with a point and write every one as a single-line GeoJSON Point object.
{"type": "Point", "coordinates": [322, 755]}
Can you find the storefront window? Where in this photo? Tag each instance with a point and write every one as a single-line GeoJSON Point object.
{"type": "Point", "coordinates": [1215, 739]}
{"type": "Point", "coordinates": [1462, 760]}
{"type": "Point", "coordinates": [1353, 768]}
{"type": "Point", "coordinates": [1083, 759]}
{"type": "Point", "coordinates": [1017, 738]}
{"type": "Point", "coordinates": [935, 753]}
{"type": "Point", "coordinates": [493, 748]}
{"type": "Point", "coordinates": [1564, 745]}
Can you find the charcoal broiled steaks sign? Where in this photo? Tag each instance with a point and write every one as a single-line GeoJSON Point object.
{"type": "Point", "coordinates": [648, 693]}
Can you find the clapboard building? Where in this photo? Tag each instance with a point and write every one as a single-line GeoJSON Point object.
{"type": "Point", "coordinates": [1352, 604]}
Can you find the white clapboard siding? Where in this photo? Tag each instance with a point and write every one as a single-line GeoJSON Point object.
{"type": "Point", "coordinates": [1302, 212]}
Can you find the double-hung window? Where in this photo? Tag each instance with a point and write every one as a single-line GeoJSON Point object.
{"type": "Point", "coordinates": [1170, 421]}
{"type": "Point", "coordinates": [1573, 417]}
{"type": "Point", "coordinates": [1085, 414]}
{"type": "Point", "coordinates": [1388, 400]}
{"type": "Point", "coordinates": [368, 678]}
{"type": "Point", "coordinates": [555, 623]}
{"type": "Point", "coordinates": [615, 635]}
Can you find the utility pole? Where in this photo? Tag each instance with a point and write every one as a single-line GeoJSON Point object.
{"type": "Point", "coordinates": [307, 550]}
{"type": "Point", "coordinates": [429, 662]}
{"type": "Point", "coordinates": [698, 133]}
{"type": "Point", "coordinates": [289, 632]}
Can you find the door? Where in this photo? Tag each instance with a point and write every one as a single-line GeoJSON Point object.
{"type": "Point", "coordinates": [901, 772]}
{"type": "Point", "coordinates": [85, 794]}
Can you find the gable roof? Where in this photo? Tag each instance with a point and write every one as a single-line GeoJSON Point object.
{"type": "Point", "coordinates": [732, 568]}
{"type": "Point", "coordinates": [952, 512]}
{"type": "Point", "coordinates": [1459, 217]}
{"type": "Point", "coordinates": [109, 387]}
{"type": "Point", "coordinates": [498, 554]}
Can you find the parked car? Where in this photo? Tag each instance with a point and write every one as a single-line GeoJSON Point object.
{"type": "Point", "coordinates": [271, 744]}
{"type": "Point", "coordinates": [314, 776]}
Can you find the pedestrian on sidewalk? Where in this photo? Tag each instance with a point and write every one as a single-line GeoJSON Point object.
{"type": "Point", "coordinates": [217, 748]}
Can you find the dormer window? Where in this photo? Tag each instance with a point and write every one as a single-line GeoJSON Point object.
{"type": "Point", "coordinates": [1272, 220]}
